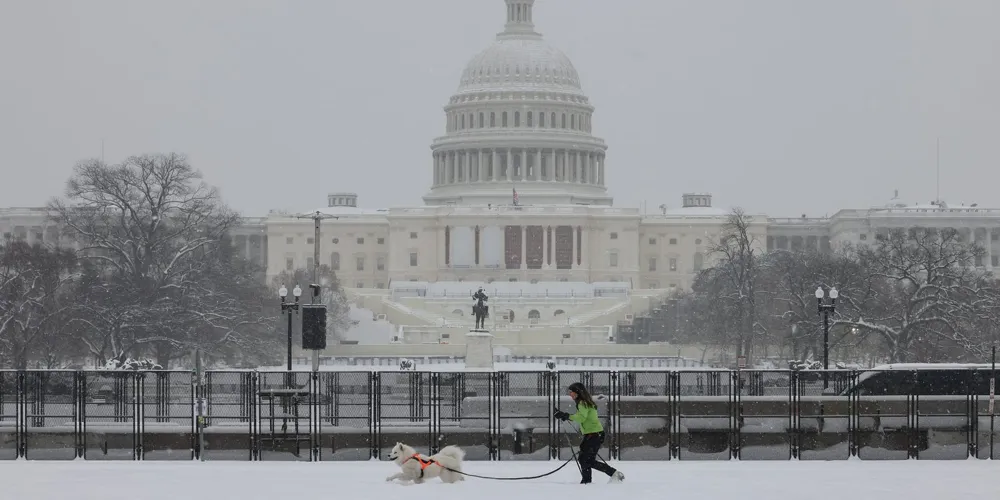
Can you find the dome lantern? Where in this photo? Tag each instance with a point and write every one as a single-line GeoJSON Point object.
{"type": "Point", "coordinates": [520, 22]}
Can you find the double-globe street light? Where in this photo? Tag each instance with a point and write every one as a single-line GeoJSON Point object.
{"type": "Point", "coordinates": [826, 309]}
{"type": "Point", "coordinates": [287, 308]}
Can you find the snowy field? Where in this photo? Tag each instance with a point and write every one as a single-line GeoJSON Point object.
{"type": "Point", "coordinates": [913, 480]}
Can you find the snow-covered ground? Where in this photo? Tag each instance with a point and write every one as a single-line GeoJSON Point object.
{"type": "Point", "coordinates": [368, 331]}
{"type": "Point", "coordinates": [857, 480]}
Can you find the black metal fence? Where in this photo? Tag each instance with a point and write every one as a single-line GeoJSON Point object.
{"type": "Point", "coordinates": [357, 415]}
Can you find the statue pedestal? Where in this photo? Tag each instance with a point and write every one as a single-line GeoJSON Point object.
{"type": "Point", "coordinates": [479, 350]}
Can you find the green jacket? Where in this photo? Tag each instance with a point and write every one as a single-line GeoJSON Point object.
{"type": "Point", "coordinates": [587, 418]}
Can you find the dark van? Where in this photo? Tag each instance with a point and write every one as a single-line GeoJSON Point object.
{"type": "Point", "coordinates": [925, 379]}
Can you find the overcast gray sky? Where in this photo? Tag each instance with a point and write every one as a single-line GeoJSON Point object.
{"type": "Point", "coordinates": [780, 106]}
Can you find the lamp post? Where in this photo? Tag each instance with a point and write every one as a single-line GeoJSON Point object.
{"type": "Point", "coordinates": [287, 308]}
{"type": "Point", "coordinates": [826, 310]}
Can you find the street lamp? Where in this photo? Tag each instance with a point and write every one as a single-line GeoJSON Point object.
{"type": "Point", "coordinates": [288, 307]}
{"type": "Point", "coordinates": [826, 310]}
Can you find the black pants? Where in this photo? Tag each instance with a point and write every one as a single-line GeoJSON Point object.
{"type": "Point", "coordinates": [588, 456]}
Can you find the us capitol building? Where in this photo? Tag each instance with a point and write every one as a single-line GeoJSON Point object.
{"type": "Point", "coordinates": [521, 123]}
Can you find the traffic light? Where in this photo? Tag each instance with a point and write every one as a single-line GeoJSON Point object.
{"type": "Point", "coordinates": [314, 326]}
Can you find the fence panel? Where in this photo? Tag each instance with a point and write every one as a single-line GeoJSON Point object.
{"type": "Point", "coordinates": [523, 427]}
{"type": "Point", "coordinates": [168, 415]}
{"type": "Point", "coordinates": [231, 421]}
{"type": "Point", "coordinates": [466, 409]}
{"type": "Point", "coordinates": [767, 418]}
{"type": "Point", "coordinates": [50, 424]}
{"type": "Point", "coordinates": [10, 423]}
{"type": "Point", "coordinates": [827, 427]}
{"type": "Point", "coordinates": [345, 418]}
{"type": "Point", "coordinates": [706, 415]}
{"type": "Point", "coordinates": [403, 410]}
{"type": "Point", "coordinates": [285, 428]}
{"type": "Point", "coordinates": [111, 429]}
{"type": "Point", "coordinates": [644, 410]}
{"type": "Point", "coordinates": [942, 423]}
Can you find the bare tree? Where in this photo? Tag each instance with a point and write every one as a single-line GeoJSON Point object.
{"type": "Point", "coordinates": [736, 276]}
{"type": "Point", "coordinates": [147, 226]}
{"type": "Point", "coordinates": [926, 295]}
{"type": "Point", "coordinates": [792, 279]}
{"type": "Point", "coordinates": [33, 302]}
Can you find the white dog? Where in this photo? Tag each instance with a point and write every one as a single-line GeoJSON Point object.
{"type": "Point", "coordinates": [417, 468]}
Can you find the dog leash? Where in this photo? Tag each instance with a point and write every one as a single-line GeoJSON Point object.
{"type": "Point", "coordinates": [525, 478]}
{"type": "Point", "coordinates": [522, 478]}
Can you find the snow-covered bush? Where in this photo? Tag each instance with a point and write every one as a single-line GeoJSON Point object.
{"type": "Point", "coordinates": [132, 364]}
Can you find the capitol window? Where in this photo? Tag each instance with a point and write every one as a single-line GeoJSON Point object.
{"type": "Point", "coordinates": [614, 236]}
{"type": "Point", "coordinates": [361, 241]}
{"type": "Point", "coordinates": [541, 120]}
{"type": "Point", "coordinates": [289, 240]}
{"type": "Point", "coordinates": [335, 240]}
{"type": "Point", "coordinates": [289, 264]}
{"type": "Point", "coordinates": [613, 259]}
{"type": "Point", "coordinates": [413, 259]}
{"type": "Point", "coordinates": [673, 241]}
{"type": "Point", "coordinates": [517, 118]}
{"type": "Point", "coordinates": [652, 241]}
{"type": "Point", "coordinates": [361, 264]}
{"type": "Point", "coordinates": [380, 241]}
{"type": "Point", "coordinates": [673, 264]}
{"type": "Point", "coordinates": [652, 263]}
{"type": "Point", "coordinates": [413, 235]}
{"type": "Point", "coordinates": [529, 118]}
{"type": "Point", "coordinates": [309, 241]}
{"type": "Point", "coordinates": [504, 119]}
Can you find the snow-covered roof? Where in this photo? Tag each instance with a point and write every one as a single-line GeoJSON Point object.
{"type": "Point", "coordinates": [697, 211]}
{"type": "Point", "coordinates": [507, 288]}
{"type": "Point", "coordinates": [350, 211]}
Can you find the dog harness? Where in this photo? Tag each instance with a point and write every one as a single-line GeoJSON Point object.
{"type": "Point", "coordinates": [424, 463]}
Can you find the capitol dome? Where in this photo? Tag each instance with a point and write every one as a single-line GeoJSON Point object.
{"type": "Point", "coordinates": [519, 122]}
{"type": "Point", "coordinates": [523, 62]}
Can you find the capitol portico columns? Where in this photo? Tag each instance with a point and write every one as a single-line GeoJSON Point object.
{"type": "Point", "coordinates": [524, 246]}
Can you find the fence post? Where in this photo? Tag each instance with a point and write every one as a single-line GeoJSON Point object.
{"type": "Point", "coordinates": [613, 416]}
{"type": "Point", "coordinates": [315, 437]}
{"type": "Point", "coordinates": [374, 413]}
{"type": "Point", "coordinates": [735, 412]}
{"type": "Point", "coordinates": [21, 415]}
{"type": "Point", "coordinates": [138, 380]}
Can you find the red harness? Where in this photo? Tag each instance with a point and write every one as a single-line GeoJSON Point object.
{"type": "Point", "coordinates": [424, 462]}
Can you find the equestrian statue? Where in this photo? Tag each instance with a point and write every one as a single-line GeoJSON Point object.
{"type": "Point", "coordinates": [480, 309]}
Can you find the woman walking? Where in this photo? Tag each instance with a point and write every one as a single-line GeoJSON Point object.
{"type": "Point", "coordinates": [593, 434]}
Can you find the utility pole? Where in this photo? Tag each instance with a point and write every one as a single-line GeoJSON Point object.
{"type": "Point", "coordinates": [316, 216]}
